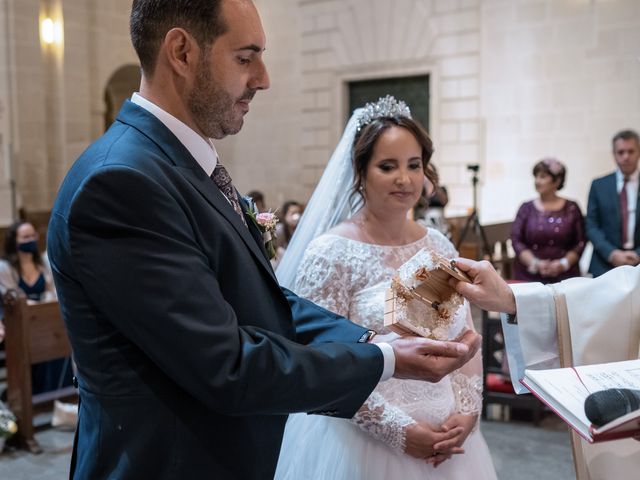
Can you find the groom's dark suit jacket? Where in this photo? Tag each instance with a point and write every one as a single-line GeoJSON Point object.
{"type": "Point", "coordinates": [189, 354]}
{"type": "Point", "coordinates": [603, 223]}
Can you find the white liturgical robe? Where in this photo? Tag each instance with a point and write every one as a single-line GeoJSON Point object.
{"type": "Point", "coordinates": [601, 320]}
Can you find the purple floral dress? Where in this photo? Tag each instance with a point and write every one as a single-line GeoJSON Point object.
{"type": "Point", "coordinates": [549, 235]}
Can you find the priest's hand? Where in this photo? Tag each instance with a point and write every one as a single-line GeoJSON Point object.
{"type": "Point", "coordinates": [488, 290]}
{"type": "Point", "coordinates": [431, 360]}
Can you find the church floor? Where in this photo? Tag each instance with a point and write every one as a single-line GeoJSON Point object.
{"type": "Point", "coordinates": [520, 452]}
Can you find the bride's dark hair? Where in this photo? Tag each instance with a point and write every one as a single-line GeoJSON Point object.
{"type": "Point", "coordinates": [366, 139]}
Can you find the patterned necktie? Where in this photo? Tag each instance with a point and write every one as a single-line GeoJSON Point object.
{"type": "Point", "coordinates": [624, 211]}
{"type": "Point", "coordinates": [222, 179]}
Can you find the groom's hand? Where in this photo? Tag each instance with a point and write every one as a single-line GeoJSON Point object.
{"type": "Point", "coordinates": [431, 360]}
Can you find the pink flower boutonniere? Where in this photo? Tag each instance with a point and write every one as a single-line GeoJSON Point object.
{"type": "Point", "coordinates": [266, 223]}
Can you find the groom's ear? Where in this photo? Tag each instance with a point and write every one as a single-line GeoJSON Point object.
{"type": "Point", "coordinates": [181, 53]}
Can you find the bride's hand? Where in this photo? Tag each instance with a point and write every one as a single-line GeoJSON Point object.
{"type": "Point", "coordinates": [422, 438]}
{"type": "Point", "coordinates": [456, 421]}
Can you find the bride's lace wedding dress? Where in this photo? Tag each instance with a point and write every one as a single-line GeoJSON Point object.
{"type": "Point", "coordinates": [350, 278]}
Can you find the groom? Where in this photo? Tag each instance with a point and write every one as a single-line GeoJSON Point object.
{"type": "Point", "coordinates": [189, 354]}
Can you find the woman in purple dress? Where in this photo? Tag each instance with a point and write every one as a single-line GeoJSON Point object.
{"type": "Point", "coordinates": [548, 232]}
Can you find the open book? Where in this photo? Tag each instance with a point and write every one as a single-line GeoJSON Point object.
{"type": "Point", "coordinates": [564, 390]}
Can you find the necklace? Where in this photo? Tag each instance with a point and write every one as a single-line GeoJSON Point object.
{"type": "Point", "coordinates": [361, 223]}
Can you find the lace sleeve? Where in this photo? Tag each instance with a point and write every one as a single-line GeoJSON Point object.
{"type": "Point", "coordinates": [467, 382]}
{"type": "Point", "coordinates": [322, 276]}
{"type": "Point", "coordinates": [384, 421]}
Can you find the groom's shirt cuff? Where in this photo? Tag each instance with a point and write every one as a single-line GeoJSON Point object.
{"type": "Point", "coordinates": [389, 360]}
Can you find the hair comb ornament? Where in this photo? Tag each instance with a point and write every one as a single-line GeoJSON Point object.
{"type": "Point", "coordinates": [385, 107]}
{"type": "Point", "coordinates": [554, 165]}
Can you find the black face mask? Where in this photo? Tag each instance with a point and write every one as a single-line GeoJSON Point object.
{"type": "Point", "coordinates": [28, 247]}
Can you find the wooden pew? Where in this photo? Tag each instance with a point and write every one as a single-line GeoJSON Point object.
{"type": "Point", "coordinates": [34, 333]}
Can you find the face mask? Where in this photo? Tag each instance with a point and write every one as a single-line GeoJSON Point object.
{"type": "Point", "coordinates": [28, 247]}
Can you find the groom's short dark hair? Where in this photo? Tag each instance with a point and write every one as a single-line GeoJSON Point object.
{"type": "Point", "coordinates": [152, 19]}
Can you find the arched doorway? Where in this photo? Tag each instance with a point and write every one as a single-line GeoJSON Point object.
{"type": "Point", "coordinates": [120, 86]}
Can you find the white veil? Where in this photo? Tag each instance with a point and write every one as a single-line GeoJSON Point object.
{"type": "Point", "coordinates": [328, 206]}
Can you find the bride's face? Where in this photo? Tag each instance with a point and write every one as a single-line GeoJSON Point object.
{"type": "Point", "coordinates": [395, 176]}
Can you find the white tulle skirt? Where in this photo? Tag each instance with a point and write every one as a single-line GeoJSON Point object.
{"type": "Point", "coordinates": [323, 448]}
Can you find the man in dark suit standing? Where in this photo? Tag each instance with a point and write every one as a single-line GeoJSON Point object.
{"type": "Point", "coordinates": [189, 354]}
{"type": "Point", "coordinates": [612, 222]}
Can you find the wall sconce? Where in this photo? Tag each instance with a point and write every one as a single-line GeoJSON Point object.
{"type": "Point", "coordinates": [51, 32]}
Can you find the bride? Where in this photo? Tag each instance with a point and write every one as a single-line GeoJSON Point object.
{"type": "Point", "coordinates": [344, 261]}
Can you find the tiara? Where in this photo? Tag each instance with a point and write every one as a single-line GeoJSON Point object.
{"type": "Point", "coordinates": [385, 107]}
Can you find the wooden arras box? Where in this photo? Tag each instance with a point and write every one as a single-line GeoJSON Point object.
{"type": "Point", "coordinates": [429, 284]}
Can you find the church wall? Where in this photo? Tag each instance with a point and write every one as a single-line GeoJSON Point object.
{"type": "Point", "coordinates": [511, 81]}
{"type": "Point", "coordinates": [27, 92]}
{"type": "Point", "coordinates": [265, 155]}
{"type": "Point", "coordinates": [559, 78]}
{"type": "Point", "coordinates": [56, 91]}
{"type": "Point", "coordinates": [5, 122]}
{"type": "Point", "coordinates": [327, 43]}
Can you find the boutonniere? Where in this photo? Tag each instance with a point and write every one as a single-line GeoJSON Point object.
{"type": "Point", "coordinates": [265, 222]}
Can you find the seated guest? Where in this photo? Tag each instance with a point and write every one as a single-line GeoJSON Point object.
{"type": "Point", "coordinates": [289, 216]}
{"type": "Point", "coordinates": [27, 270]}
{"type": "Point", "coordinates": [24, 267]}
{"type": "Point", "coordinates": [548, 232]}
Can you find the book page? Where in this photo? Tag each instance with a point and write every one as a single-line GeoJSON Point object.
{"type": "Point", "coordinates": [565, 387]}
{"type": "Point", "coordinates": [611, 375]}
{"type": "Point", "coordinates": [569, 387]}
